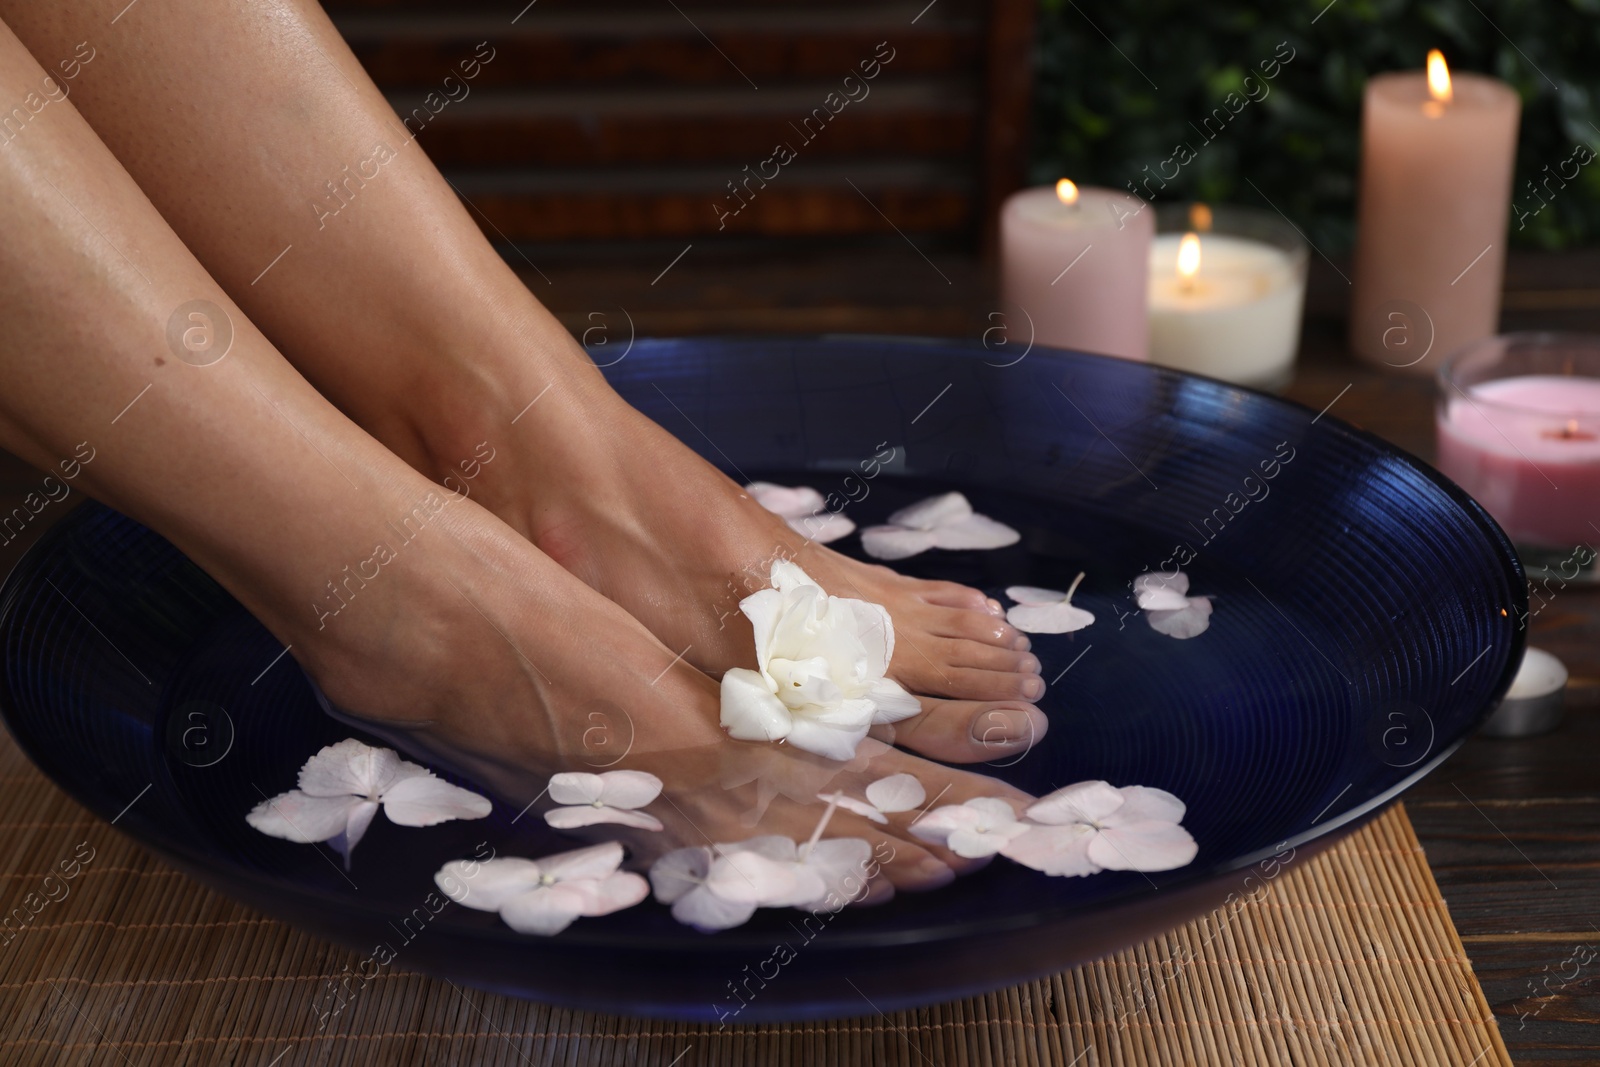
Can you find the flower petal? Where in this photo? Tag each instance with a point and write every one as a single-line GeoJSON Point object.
{"type": "Point", "coordinates": [751, 878]}
{"type": "Point", "coordinates": [975, 531]}
{"type": "Point", "coordinates": [1032, 594]}
{"type": "Point", "coordinates": [1143, 803]}
{"type": "Point", "coordinates": [545, 911]}
{"type": "Point", "coordinates": [355, 828]}
{"type": "Point", "coordinates": [589, 815]}
{"type": "Point", "coordinates": [860, 807]}
{"type": "Point", "coordinates": [895, 542]}
{"type": "Point", "coordinates": [785, 500]}
{"type": "Point", "coordinates": [1143, 846]}
{"type": "Point", "coordinates": [613, 893]}
{"type": "Point", "coordinates": [680, 871]}
{"type": "Point", "coordinates": [823, 527]}
{"type": "Point", "coordinates": [938, 824]}
{"type": "Point", "coordinates": [831, 740]}
{"type": "Point", "coordinates": [1082, 802]}
{"type": "Point", "coordinates": [1058, 618]}
{"type": "Point", "coordinates": [595, 861]}
{"type": "Point", "coordinates": [351, 768]}
{"type": "Point", "coordinates": [575, 787]}
{"type": "Point", "coordinates": [487, 884]}
{"type": "Point", "coordinates": [1190, 621]}
{"type": "Point", "coordinates": [787, 576]}
{"type": "Point", "coordinates": [891, 702]}
{"type": "Point", "coordinates": [627, 789]}
{"type": "Point", "coordinates": [423, 800]}
{"type": "Point", "coordinates": [1055, 850]}
{"type": "Point", "coordinates": [775, 847]}
{"type": "Point", "coordinates": [933, 512]}
{"type": "Point", "coordinates": [294, 816]}
{"type": "Point", "coordinates": [750, 712]}
{"type": "Point", "coordinates": [974, 844]}
{"type": "Point", "coordinates": [707, 912]}
{"type": "Point", "coordinates": [763, 608]}
{"type": "Point", "coordinates": [898, 792]}
{"type": "Point", "coordinates": [1158, 591]}
{"type": "Point", "coordinates": [871, 625]}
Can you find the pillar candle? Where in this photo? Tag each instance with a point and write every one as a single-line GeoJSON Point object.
{"type": "Point", "coordinates": [1436, 168]}
{"type": "Point", "coordinates": [1076, 263]}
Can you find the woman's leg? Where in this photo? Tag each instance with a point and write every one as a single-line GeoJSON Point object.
{"type": "Point", "coordinates": [431, 619]}
{"type": "Point", "coordinates": [259, 138]}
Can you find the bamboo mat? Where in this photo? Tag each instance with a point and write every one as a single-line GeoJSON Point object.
{"type": "Point", "coordinates": [1348, 958]}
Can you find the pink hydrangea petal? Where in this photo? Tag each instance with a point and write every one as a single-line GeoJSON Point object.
{"type": "Point", "coordinates": [775, 847]}
{"type": "Point", "coordinates": [1142, 803]}
{"type": "Point", "coordinates": [589, 815]}
{"type": "Point", "coordinates": [707, 912]}
{"type": "Point", "coordinates": [351, 768]}
{"type": "Point", "coordinates": [785, 500]}
{"type": "Point", "coordinates": [895, 542]}
{"type": "Point", "coordinates": [1189, 621]}
{"type": "Point", "coordinates": [1157, 591]}
{"type": "Point", "coordinates": [859, 807]}
{"type": "Point", "coordinates": [595, 861]}
{"type": "Point", "coordinates": [1058, 618]}
{"type": "Point", "coordinates": [932, 512]}
{"type": "Point", "coordinates": [615, 892]}
{"type": "Point", "coordinates": [1062, 851]}
{"type": "Point", "coordinates": [295, 816]}
{"type": "Point", "coordinates": [938, 824]}
{"type": "Point", "coordinates": [823, 527]}
{"type": "Point", "coordinates": [545, 911]}
{"type": "Point", "coordinates": [486, 884]}
{"type": "Point", "coordinates": [628, 789]}
{"type": "Point", "coordinates": [1032, 594]}
{"type": "Point", "coordinates": [897, 792]}
{"type": "Point", "coordinates": [750, 878]}
{"type": "Point", "coordinates": [1081, 802]}
{"type": "Point", "coordinates": [423, 800]}
{"type": "Point", "coordinates": [1143, 846]}
{"type": "Point", "coordinates": [680, 871]}
{"type": "Point", "coordinates": [975, 532]}
{"type": "Point", "coordinates": [355, 827]}
{"type": "Point", "coordinates": [575, 787]}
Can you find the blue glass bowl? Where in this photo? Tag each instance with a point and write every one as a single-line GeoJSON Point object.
{"type": "Point", "coordinates": [1367, 617]}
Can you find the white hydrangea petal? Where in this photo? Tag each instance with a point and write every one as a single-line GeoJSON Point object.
{"type": "Point", "coordinates": [750, 711]}
{"type": "Point", "coordinates": [589, 815]}
{"type": "Point", "coordinates": [613, 893]}
{"type": "Point", "coordinates": [933, 512]}
{"type": "Point", "coordinates": [680, 871]}
{"type": "Point", "coordinates": [750, 878]}
{"type": "Point", "coordinates": [891, 702]}
{"type": "Point", "coordinates": [897, 792]}
{"type": "Point", "coordinates": [975, 844]}
{"type": "Point", "coordinates": [775, 847]}
{"type": "Point", "coordinates": [575, 787]}
{"type": "Point", "coordinates": [788, 501]}
{"type": "Point", "coordinates": [823, 527]}
{"type": "Point", "coordinates": [975, 532]}
{"type": "Point", "coordinates": [994, 810]}
{"type": "Point", "coordinates": [424, 800]}
{"type": "Point", "coordinates": [840, 865]}
{"type": "Point", "coordinates": [1062, 851]}
{"type": "Point", "coordinates": [1058, 618]}
{"type": "Point", "coordinates": [594, 861]}
{"type": "Point", "coordinates": [295, 816]}
{"type": "Point", "coordinates": [1143, 803]}
{"type": "Point", "coordinates": [545, 911]}
{"type": "Point", "coordinates": [355, 828]}
{"type": "Point", "coordinates": [486, 884]}
{"type": "Point", "coordinates": [1081, 802]}
{"type": "Point", "coordinates": [895, 542]}
{"type": "Point", "coordinates": [628, 789]}
{"type": "Point", "coordinates": [859, 807]}
{"type": "Point", "coordinates": [1143, 846]}
{"type": "Point", "coordinates": [1189, 621]}
{"type": "Point", "coordinates": [708, 913]}
{"type": "Point", "coordinates": [352, 768]}
{"type": "Point", "coordinates": [1032, 594]}
{"type": "Point", "coordinates": [938, 824]}
{"type": "Point", "coordinates": [1157, 591]}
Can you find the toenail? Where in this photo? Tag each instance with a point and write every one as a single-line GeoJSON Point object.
{"type": "Point", "coordinates": [1002, 726]}
{"type": "Point", "coordinates": [934, 872]}
{"type": "Point", "coordinates": [1029, 664]}
{"type": "Point", "coordinates": [1021, 643]}
{"type": "Point", "coordinates": [1033, 688]}
{"type": "Point", "coordinates": [995, 608]}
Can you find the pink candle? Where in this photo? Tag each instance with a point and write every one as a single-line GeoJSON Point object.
{"type": "Point", "coordinates": [1436, 162]}
{"type": "Point", "coordinates": [1076, 263]}
{"type": "Point", "coordinates": [1528, 449]}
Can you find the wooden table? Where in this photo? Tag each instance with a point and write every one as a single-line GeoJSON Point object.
{"type": "Point", "coordinates": [1511, 828]}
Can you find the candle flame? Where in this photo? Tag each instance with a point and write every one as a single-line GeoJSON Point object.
{"type": "Point", "coordinates": [1188, 259]}
{"type": "Point", "coordinates": [1570, 432]}
{"type": "Point", "coordinates": [1438, 77]}
{"type": "Point", "coordinates": [1067, 191]}
{"type": "Point", "coordinates": [1200, 217]}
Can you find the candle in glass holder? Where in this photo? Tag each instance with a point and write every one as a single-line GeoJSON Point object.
{"type": "Point", "coordinates": [1225, 304]}
{"type": "Point", "coordinates": [1075, 261]}
{"type": "Point", "coordinates": [1519, 429]}
{"type": "Point", "coordinates": [1435, 197]}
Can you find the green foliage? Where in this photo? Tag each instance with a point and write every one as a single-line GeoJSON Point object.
{"type": "Point", "coordinates": [1121, 85]}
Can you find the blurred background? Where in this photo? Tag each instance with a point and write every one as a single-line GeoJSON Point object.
{"type": "Point", "coordinates": [621, 153]}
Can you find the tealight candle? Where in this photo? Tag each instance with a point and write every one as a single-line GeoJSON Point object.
{"type": "Point", "coordinates": [1436, 161]}
{"type": "Point", "coordinates": [1519, 429]}
{"type": "Point", "coordinates": [1226, 297]}
{"type": "Point", "coordinates": [1533, 704]}
{"type": "Point", "coordinates": [1073, 260]}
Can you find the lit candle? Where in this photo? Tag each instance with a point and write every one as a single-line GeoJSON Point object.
{"type": "Point", "coordinates": [1225, 305]}
{"type": "Point", "coordinates": [1436, 164]}
{"type": "Point", "coordinates": [1073, 261]}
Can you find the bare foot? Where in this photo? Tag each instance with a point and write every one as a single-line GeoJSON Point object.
{"type": "Point", "coordinates": [641, 518]}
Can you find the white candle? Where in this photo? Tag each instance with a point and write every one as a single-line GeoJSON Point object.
{"type": "Point", "coordinates": [1235, 315]}
{"type": "Point", "coordinates": [1074, 261]}
{"type": "Point", "coordinates": [1540, 675]}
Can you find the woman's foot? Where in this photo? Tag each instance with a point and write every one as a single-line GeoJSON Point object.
{"type": "Point", "coordinates": [473, 650]}
{"type": "Point", "coordinates": [641, 518]}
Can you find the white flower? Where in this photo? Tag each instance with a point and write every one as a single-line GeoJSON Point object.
{"type": "Point", "coordinates": [804, 509]}
{"type": "Point", "coordinates": [609, 797]}
{"type": "Point", "coordinates": [718, 887]}
{"type": "Point", "coordinates": [545, 896]}
{"type": "Point", "coordinates": [1167, 609]}
{"type": "Point", "coordinates": [946, 521]}
{"type": "Point", "coordinates": [342, 787]}
{"type": "Point", "coordinates": [820, 683]}
{"type": "Point", "coordinates": [980, 827]}
{"type": "Point", "coordinates": [1045, 611]}
{"type": "Point", "coordinates": [1092, 826]}
{"type": "Point", "coordinates": [897, 792]}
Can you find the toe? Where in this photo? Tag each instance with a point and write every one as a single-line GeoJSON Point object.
{"type": "Point", "coordinates": [961, 597]}
{"type": "Point", "coordinates": [971, 626]}
{"type": "Point", "coordinates": [987, 657]}
{"type": "Point", "coordinates": [969, 731]}
{"type": "Point", "coordinates": [932, 670]}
